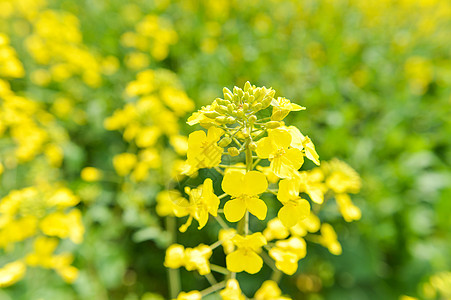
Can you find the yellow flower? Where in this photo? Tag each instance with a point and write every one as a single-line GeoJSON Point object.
{"type": "Point", "coordinates": [232, 291]}
{"type": "Point", "coordinates": [348, 210]}
{"type": "Point", "coordinates": [245, 258]}
{"type": "Point", "coordinates": [286, 261]}
{"type": "Point", "coordinates": [311, 183]}
{"type": "Point", "coordinates": [276, 147]}
{"type": "Point", "coordinates": [226, 235]}
{"type": "Point", "coordinates": [341, 178]}
{"type": "Point", "coordinates": [43, 248]}
{"type": "Point", "coordinates": [166, 202]}
{"type": "Point", "coordinates": [269, 291]}
{"type": "Point", "coordinates": [12, 273]}
{"type": "Point", "coordinates": [197, 259]}
{"type": "Point", "coordinates": [309, 224]}
{"type": "Point", "coordinates": [193, 295]}
{"type": "Point", "coordinates": [123, 163]}
{"type": "Point", "coordinates": [91, 174]}
{"type": "Point", "coordinates": [272, 178]}
{"type": "Point", "coordinates": [244, 189]}
{"type": "Point", "coordinates": [298, 140]}
{"type": "Point", "coordinates": [200, 117]}
{"type": "Point", "coordinates": [175, 256]}
{"type": "Point", "coordinates": [202, 202]}
{"type": "Point", "coordinates": [329, 239]}
{"type": "Point", "coordinates": [64, 225]}
{"type": "Point", "coordinates": [287, 253]}
{"type": "Point", "coordinates": [203, 150]}
{"type": "Point", "coordinates": [281, 107]}
{"type": "Point", "coordinates": [294, 207]}
{"type": "Point", "coordinates": [275, 230]}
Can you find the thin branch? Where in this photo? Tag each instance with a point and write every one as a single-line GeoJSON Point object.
{"type": "Point", "coordinates": [213, 288]}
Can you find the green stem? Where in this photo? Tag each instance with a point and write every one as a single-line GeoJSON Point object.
{"type": "Point", "coordinates": [219, 269]}
{"type": "Point", "coordinates": [173, 274]}
{"type": "Point", "coordinates": [221, 222]}
{"type": "Point", "coordinates": [213, 288]}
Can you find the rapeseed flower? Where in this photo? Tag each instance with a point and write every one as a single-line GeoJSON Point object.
{"type": "Point", "coordinates": [245, 257]}
{"type": "Point", "coordinates": [203, 150]}
{"type": "Point", "coordinates": [294, 207]}
{"type": "Point", "coordinates": [232, 291]}
{"type": "Point", "coordinates": [245, 190]}
{"type": "Point", "coordinates": [202, 202]}
{"type": "Point", "coordinates": [285, 160]}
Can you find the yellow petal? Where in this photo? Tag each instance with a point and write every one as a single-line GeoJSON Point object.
{"type": "Point", "coordinates": [264, 148]}
{"type": "Point", "coordinates": [287, 190]}
{"type": "Point", "coordinates": [316, 194]}
{"type": "Point", "coordinates": [294, 158]}
{"type": "Point", "coordinates": [280, 138]}
{"type": "Point", "coordinates": [288, 215]}
{"type": "Point", "coordinates": [296, 137]}
{"type": "Point", "coordinates": [236, 261]}
{"type": "Point", "coordinates": [195, 139]}
{"type": "Point", "coordinates": [253, 263]}
{"type": "Point", "coordinates": [214, 133]}
{"type": "Point", "coordinates": [209, 198]}
{"type": "Point", "coordinates": [233, 183]}
{"type": "Point", "coordinates": [234, 210]}
{"type": "Point", "coordinates": [257, 207]}
{"type": "Point", "coordinates": [255, 183]}
{"type": "Point", "coordinates": [303, 209]}
{"type": "Point", "coordinates": [310, 151]}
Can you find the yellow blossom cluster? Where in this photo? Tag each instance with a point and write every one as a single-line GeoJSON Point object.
{"type": "Point", "coordinates": [10, 65]}
{"type": "Point", "coordinates": [57, 47]}
{"type": "Point", "coordinates": [238, 129]}
{"type": "Point", "coordinates": [39, 216]}
{"type": "Point", "coordinates": [156, 103]}
{"type": "Point", "coordinates": [30, 129]}
{"type": "Point", "coordinates": [152, 35]}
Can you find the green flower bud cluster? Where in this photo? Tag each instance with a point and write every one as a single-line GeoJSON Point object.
{"type": "Point", "coordinates": [241, 105]}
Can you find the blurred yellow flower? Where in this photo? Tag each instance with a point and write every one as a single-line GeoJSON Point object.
{"type": "Point", "coordinates": [269, 291]}
{"type": "Point", "coordinates": [12, 273]}
{"type": "Point", "coordinates": [123, 163]}
{"type": "Point", "coordinates": [329, 240]}
{"type": "Point", "coordinates": [232, 291]}
{"type": "Point", "coordinates": [90, 174]}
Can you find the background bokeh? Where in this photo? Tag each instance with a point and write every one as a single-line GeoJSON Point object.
{"type": "Point", "coordinates": [375, 77]}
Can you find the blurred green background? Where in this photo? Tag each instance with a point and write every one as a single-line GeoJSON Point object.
{"type": "Point", "coordinates": [375, 77]}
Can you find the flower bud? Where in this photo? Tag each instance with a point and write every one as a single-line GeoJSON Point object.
{"type": "Point", "coordinates": [252, 119]}
{"type": "Point", "coordinates": [233, 151]}
{"type": "Point", "coordinates": [246, 106]}
{"type": "Point", "coordinates": [272, 124]}
{"type": "Point", "coordinates": [231, 120]}
{"type": "Point", "coordinates": [222, 101]}
{"type": "Point", "coordinates": [212, 114]}
{"type": "Point", "coordinates": [253, 146]}
{"type": "Point", "coordinates": [257, 106]}
{"type": "Point", "coordinates": [225, 141]}
{"type": "Point", "coordinates": [230, 108]}
{"type": "Point", "coordinates": [240, 113]}
{"type": "Point", "coordinates": [221, 119]}
{"type": "Point", "coordinates": [247, 86]}
{"type": "Point", "coordinates": [266, 101]}
{"type": "Point", "coordinates": [221, 109]}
